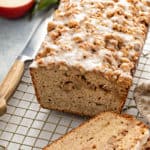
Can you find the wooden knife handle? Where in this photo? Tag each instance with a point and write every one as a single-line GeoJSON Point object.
{"type": "Point", "coordinates": [9, 84]}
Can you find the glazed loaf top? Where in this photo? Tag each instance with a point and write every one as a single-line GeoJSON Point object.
{"type": "Point", "coordinates": [101, 35]}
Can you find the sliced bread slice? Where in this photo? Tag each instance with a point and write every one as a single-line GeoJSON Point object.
{"type": "Point", "coordinates": [107, 131]}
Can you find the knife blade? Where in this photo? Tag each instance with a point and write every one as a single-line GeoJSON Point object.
{"type": "Point", "coordinates": [34, 43]}
{"type": "Point", "coordinates": [10, 82]}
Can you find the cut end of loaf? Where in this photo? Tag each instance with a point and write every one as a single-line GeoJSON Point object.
{"type": "Point", "coordinates": [67, 89]}
{"type": "Point", "coordinates": [106, 131]}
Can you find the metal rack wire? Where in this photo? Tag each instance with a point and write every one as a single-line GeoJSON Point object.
{"type": "Point", "coordinates": [26, 126]}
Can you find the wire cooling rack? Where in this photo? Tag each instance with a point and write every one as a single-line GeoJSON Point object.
{"type": "Point", "coordinates": [27, 126]}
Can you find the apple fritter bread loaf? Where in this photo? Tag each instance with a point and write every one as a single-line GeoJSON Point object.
{"type": "Point", "coordinates": [86, 63]}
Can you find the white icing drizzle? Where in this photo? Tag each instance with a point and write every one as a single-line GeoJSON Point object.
{"type": "Point", "coordinates": [94, 24]}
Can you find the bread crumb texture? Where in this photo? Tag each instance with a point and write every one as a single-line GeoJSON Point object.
{"type": "Point", "coordinates": [107, 131]}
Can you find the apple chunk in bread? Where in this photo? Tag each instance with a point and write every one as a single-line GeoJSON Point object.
{"type": "Point", "coordinates": [15, 9]}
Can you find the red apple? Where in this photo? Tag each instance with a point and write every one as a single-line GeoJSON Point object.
{"type": "Point", "coordinates": [13, 9]}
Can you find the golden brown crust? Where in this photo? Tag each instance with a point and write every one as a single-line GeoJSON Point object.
{"type": "Point", "coordinates": [126, 116]}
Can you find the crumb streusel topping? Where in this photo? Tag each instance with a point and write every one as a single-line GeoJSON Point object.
{"type": "Point", "coordinates": [103, 35]}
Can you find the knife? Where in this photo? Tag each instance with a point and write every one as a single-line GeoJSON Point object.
{"type": "Point", "coordinates": [10, 82]}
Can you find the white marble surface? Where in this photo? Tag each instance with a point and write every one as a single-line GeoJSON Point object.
{"type": "Point", "coordinates": [13, 35]}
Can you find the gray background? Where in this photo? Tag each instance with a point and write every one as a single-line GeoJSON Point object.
{"type": "Point", "coordinates": [13, 35]}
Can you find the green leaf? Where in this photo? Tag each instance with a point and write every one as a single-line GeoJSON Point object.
{"type": "Point", "coordinates": [43, 4]}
